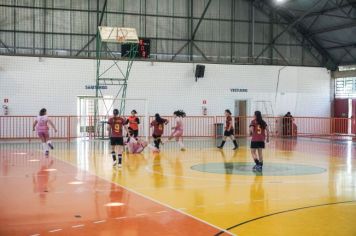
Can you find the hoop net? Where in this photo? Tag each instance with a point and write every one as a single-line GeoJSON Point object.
{"type": "Point", "coordinates": [94, 113]}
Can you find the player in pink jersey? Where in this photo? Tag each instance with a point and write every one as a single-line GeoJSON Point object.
{"type": "Point", "coordinates": [177, 131]}
{"type": "Point", "coordinates": [136, 145]}
{"type": "Point", "coordinates": [260, 133]}
{"type": "Point", "coordinates": [41, 126]}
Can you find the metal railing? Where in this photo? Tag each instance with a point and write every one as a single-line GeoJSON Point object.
{"type": "Point", "coordinates": [69, 127]}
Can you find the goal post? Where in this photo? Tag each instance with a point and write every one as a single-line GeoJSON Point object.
{"type": "Point", "coordinates": [94, 112]}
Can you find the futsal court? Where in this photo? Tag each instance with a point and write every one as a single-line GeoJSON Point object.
{"type": "Point", "coordinates": [306, 188]}
{"type": "Point", "coordinates": [178, 117]}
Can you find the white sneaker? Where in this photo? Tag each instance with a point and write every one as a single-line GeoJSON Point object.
{"type": "Point", "coordinates": [115, 163]}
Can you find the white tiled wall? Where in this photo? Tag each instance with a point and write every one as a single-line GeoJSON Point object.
{"type": "Point", "coordinates": [31, 83]}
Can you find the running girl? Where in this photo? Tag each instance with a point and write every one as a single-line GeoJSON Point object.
{"type": "Point", "coordinates": [133, 121]}
{"type": "Point", "coordinates": [177, 132]}
{"type": "Point", "coordinates": [115, 127]}
{"type": "Point", "coordinates": [229, 131]}
{"type": "Point", "coordinates": [259, 131]}
{"type": "Point", "coordinates": [158, 128]}
{"type": "Point", "coordinates": [41, 126]}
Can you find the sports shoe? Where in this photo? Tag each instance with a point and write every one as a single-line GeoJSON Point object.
{"type": "Point", "coordinates": [47, 153]}
{"type": "Point", "coordinates": [259, 169]}
{"type": "Point", "coordinates": [235, 148]}
{"type": "Point", "coordinates": [119, 165]}
{"type": "Point", "coordinates": [255, 168]}
{"type": "Point", "coordinates": [115, 163]}
{"type": "Point", "coordinates": [182, 149]}
{"type": "Point", "coordinates": [220, 147]}
{"type": "Point", "coordinates": [50, 145]}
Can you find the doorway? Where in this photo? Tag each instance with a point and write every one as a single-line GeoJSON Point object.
{"type": "Point", "coordinates": [240, 117]}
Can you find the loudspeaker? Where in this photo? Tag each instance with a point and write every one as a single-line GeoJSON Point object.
{"type": "Point", "coordinates": [199, 71]}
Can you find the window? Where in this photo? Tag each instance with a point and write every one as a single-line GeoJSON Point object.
{"type": "Point", "coordinates": [345, 87]}
{"type": "Point", "coordinates": [347, 68]}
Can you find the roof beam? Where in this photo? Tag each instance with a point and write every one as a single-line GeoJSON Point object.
{"type": "Point", "coordinates": [350, 45]}
{"type": "Point", "coordinates": [99, 21]}
{"type": "Point", "coordinates": [322, 12]}
{"type": "Point", "coordinates": [291, 24]}
{"type": "Point", "coordinates": [333, 28]}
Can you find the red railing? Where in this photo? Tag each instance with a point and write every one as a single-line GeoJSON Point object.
{"type": "Point", "coordinates": [69, 127]}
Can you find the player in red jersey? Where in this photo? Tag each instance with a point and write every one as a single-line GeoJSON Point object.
{"type": "Point", "coordinates": [116, 124]}
{"type": "Point", "coordinates": [229, 131]}
{"type": "Point", "coordinates": [260, 133]}
{"type": "Point", "coordinates": [133, 121]}
{"type": "Point", "coordinates": [158, 128]}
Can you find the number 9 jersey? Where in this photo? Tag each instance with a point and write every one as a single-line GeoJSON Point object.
{"type": "Point", "coordinates": [116, 125]}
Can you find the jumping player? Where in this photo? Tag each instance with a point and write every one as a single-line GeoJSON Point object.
{"type": "Point", "coordinates": [158, 128]}
{"type": "Point", "coordinates": [229, 131]}
{"type": "Point", "coordinates": [259, 131]}
{"type": "Point", "coordinates": [133, 121]}
{"type": "Point", "coordinates": [41, 126]}
{"type": "Point", "coordinates": [177, 132]}
{"type": "Point", "coordinates": [115, 127]}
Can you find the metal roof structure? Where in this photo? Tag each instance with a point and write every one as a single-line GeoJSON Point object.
{"type": "Point", "coordinates": [264, 32]}
{"type": "Point", "coordinates": [327, 25]}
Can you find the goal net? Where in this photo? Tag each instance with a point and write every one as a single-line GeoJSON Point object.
{"type": "Point", "coordinates": [94, 112]}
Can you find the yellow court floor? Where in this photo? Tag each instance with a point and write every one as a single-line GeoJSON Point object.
{"type": "Point", "coordinates": [307, 187]}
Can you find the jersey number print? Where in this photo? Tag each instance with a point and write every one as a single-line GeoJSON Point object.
{"type": "Point", "coordinates": [259, 130]}
{"type": "Point", "coordinates": [117, 128]}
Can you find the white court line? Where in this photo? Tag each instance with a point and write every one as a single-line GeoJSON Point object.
{"type": "Point", "coordinates": [142, 214]}
{"type": "Point", "coordinates": [160, 212]}
{"type": "Point", "coordinates": [35, 235]}
{"type": "Point", "coordinates": [77, 226]}
{"type": "Point", "coordinates": [182, 209]}
{"type": "Point", "coordinates": [99, 221]}
{"type": "Point", "coordinates": [120, 218]}
{"type": "Point", "coordinates": [55, 230]}
{"type": "Point", "coordinates": [151, 199]}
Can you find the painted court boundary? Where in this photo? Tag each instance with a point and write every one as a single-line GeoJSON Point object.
{"type": "Point", "coordinates": [282, 212]}
{"type": "Point", "coordinates": [222, 231]}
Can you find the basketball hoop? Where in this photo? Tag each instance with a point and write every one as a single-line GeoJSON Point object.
{"type": "Point", "coordinates": [118, 35]}
{"type": "Point", "coordinates": [121, 39]}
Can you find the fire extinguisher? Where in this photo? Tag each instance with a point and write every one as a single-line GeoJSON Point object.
{"type": "Point", "coordinates": [5, 109]}
{"type": "Point", "coordinates": [205, 111]}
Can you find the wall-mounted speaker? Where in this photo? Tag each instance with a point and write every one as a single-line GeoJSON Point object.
{"type": "Point", "coordinates": [199, 72]}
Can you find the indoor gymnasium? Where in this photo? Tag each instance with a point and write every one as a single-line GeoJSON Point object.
{"type": "Point", "coordinates": [178, 117]}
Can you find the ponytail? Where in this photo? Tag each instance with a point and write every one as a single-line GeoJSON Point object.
{"type": "Point", "coordinates": [259, 120]}
{"type": "Point", "coordinates": [158, 118]}
{"type": "Point", "coordinates": [180, 113]}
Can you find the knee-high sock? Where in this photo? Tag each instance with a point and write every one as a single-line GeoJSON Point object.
{"type": "Point", "coordinates": [45, 146]}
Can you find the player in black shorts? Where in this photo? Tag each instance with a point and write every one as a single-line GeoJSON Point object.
{"type": "Point", "coordinates": [116, 124]}
{"type": "Point", "coordinates": [229, 131]}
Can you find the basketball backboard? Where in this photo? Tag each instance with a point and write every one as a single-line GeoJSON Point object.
{"type": "Point", "coordinates": [118, 34]}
